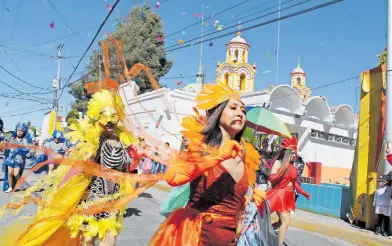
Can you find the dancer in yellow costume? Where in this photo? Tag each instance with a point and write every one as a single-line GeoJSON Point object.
{"type": "Point", "coordinates": [60, 219]}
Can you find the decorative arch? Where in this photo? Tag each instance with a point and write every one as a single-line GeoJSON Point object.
{"type": "Point", "coordinates": [225, 69]}
{"type": "Point", "coordinates": [285, 98]}
{"type": "Point", "coordinates": [344, 115]}
{"type": "Point", "coordinates": [317, 107]}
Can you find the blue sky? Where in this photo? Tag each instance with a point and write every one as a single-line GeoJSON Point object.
{"type": "Point", "coordinates": [335, 43]}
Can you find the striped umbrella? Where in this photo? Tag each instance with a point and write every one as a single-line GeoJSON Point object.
{"type": "Point", "coordinates": [260, 119]}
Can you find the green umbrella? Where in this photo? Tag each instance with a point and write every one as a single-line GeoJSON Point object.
{"type": "Point", "coordinates": [262, 120]}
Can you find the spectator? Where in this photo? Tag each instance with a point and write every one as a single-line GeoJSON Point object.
{"type": "Point", "coordinates": [166, 157]}
{"type": "Point", "coordinates": [155, 163]}
{"type": "Point", "coordinates": [382, 204]}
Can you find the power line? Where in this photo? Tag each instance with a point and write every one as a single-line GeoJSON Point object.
{"type": "Point", "coordinates": [24, 108]}
{"type": "Point", "coordinates": [235, 26]}
{"type": "Point", "coordinates": [319, 87]}
{"type": "Point", "coordinates": [62, 18]}
{"type": "Point", "coordinates": [56, 39]}
{"type": "Point", "coordinates": [41, 109]}
{"type": "Point", "coordinates": [197, 23]}
{"type": "Point", "coordinates": [261, 24]}
{"type": "Point", "coordinates": [236, 21]}
{"type": "Point", "coordinates": [21, 80]}
{"type": "Point", "coordinates": [20, 98]}
{"type": "Point", "coordinates": [89, 46]}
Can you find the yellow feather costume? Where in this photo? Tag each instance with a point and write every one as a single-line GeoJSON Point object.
{"type": "Point", "coordinates": [56, 222]}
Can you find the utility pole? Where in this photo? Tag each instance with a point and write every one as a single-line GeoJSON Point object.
{"type": "Point", "coordinates": [100, 67]}
{"type": "Point", "coordinates": [57, 85]}
{"type": "Point", "coordinates": [277, 46]}
{"type": "Point", "coordinates": [388, 90]}
{"type": "Point", "coordinates": [200, 74]}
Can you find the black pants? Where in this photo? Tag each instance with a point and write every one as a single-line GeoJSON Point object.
{"type": "Point", "coordinates": [383, 218]}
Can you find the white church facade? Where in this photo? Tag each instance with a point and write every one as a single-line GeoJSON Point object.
{"type": "Point", "coordinates": [325, 134]}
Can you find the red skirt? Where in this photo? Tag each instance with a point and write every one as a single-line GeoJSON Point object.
{"type": "Point", "coordinates": [281, 200]}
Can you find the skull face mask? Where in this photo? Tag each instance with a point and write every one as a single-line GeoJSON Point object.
{"type": "Point", "coordinates": [108, 115]}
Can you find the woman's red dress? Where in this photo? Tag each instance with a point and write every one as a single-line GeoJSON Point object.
{"type": "Point", "coordinates": [281, 197]}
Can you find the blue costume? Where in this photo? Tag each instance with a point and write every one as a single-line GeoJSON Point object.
{"type": "Point", "coordinates": [16, 157]}
{"type": "Point", "coordinates": [60, 147]}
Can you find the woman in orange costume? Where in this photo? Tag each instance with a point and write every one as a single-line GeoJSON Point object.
{"type": "Point", "coordinates": [283, 179]}
{"type": "Point", "coordinates": [220, 167]}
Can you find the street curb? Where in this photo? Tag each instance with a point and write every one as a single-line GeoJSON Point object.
{"type": "Point", "coordinates": [357, 237]}
{"type": "Point", "coordinates": [362, 238]}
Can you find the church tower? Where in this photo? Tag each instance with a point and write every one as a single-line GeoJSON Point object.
{"type": "Point", "coordinates": [236, 71]}
{"type": "Point", "coordinates": [298, 81]}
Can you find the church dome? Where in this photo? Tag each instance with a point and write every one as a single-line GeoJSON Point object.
{"type": "Point", "coordinates": [298, 70]}
{"type": "Point", "coordinates": [238, 40]}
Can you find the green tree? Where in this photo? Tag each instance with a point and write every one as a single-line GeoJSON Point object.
{"type": "Point", "coordinates": [382, 57]}
{"type": "Point", "coordinates": [72, 117]}
{"type": "Point", "coordinates": [139, 32]}
{"type": "Point", "coordinates": [34, 129]}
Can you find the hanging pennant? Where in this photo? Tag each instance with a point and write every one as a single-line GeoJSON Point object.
{"type": "Point", "coordinates": [183, 33]}
{"type": "Point", "coordinates": [109, 7]}
{"type": "Point", "coordinates": [180, 41]}
{"type": "Point", "coordinates": [211, 44]}
{"type": "Point", "coordinates": [179, 83]}
{"type": "Point", "coordinates": [51, 25]}
{"type": "Point", "coordinates": [157, 5]}
{"type": "Point", "coordinates": [159, 38]}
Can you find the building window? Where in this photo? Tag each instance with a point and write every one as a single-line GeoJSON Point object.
{"type": "Point", "coordinates": [242, 82]}
{"type": "Point", "coordinates": [226, 79]}
{"type": "Point", "coordinates": [244, 56]}
{"type": "Point", "coordinates": [236, 55]}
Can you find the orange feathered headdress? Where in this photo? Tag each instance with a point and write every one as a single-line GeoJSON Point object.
{"type": "Point", "coordinates": [214, 94]}
{"type": "Point", "coordinates": [290, 143]}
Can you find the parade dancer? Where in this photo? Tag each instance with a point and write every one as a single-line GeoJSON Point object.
{"type": "Point", "coordinates": [57, 143]}
{"type": "Point", "coordinates": [2, 138]}
{"type": "Point", "coordinates": [66, 215]}
{"type": "Point", "coordinates": [283, 180]}
{"type": "Point", "coordinates": [220, 167]}
{"type": "Point", "coordinates": [15, 160]}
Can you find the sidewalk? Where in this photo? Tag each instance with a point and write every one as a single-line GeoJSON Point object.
{"type": "Point", "coordinates": [324, 225]}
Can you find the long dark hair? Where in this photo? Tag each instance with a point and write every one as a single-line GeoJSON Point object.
{"type": "Point", "coordinates": [212, 132]}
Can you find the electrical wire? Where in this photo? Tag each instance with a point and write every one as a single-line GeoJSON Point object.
{"type": "Point", "coordinates": [235, 26]}
{"type": "Point", "coordinates": [60, 38]}
{"type": "Point", "coordinates": [62, 18]}
{"type": "Point", "coordinates": [20, 98]}
{"type": "Point", "coordinates": [237, 20]}
{"type": "Point", "coordinates": [318, 87]}
{"type": "Point", "coordinates": [30, 112]}
{"type": "Point", "coordinates": [21, 80]}
{"type": "Point", "coordinates": [88, 48]}
{"type": "Point", "coordinates": [197, 23]}
{"type": "Point", "coordinates": [261, 24]}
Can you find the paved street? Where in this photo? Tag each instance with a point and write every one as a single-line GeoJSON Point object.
{"type": "Point", "coordinates": [142, 219]}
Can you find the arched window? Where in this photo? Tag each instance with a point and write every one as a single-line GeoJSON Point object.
{"type": "Point", "coordinates": [244, 56]}
{"type": "Point", "coordinates": [236, 55]}
{"type": "Point", "coordinates": [226, 79]}
{"type": "Point", "coordinates": [242, 82]}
